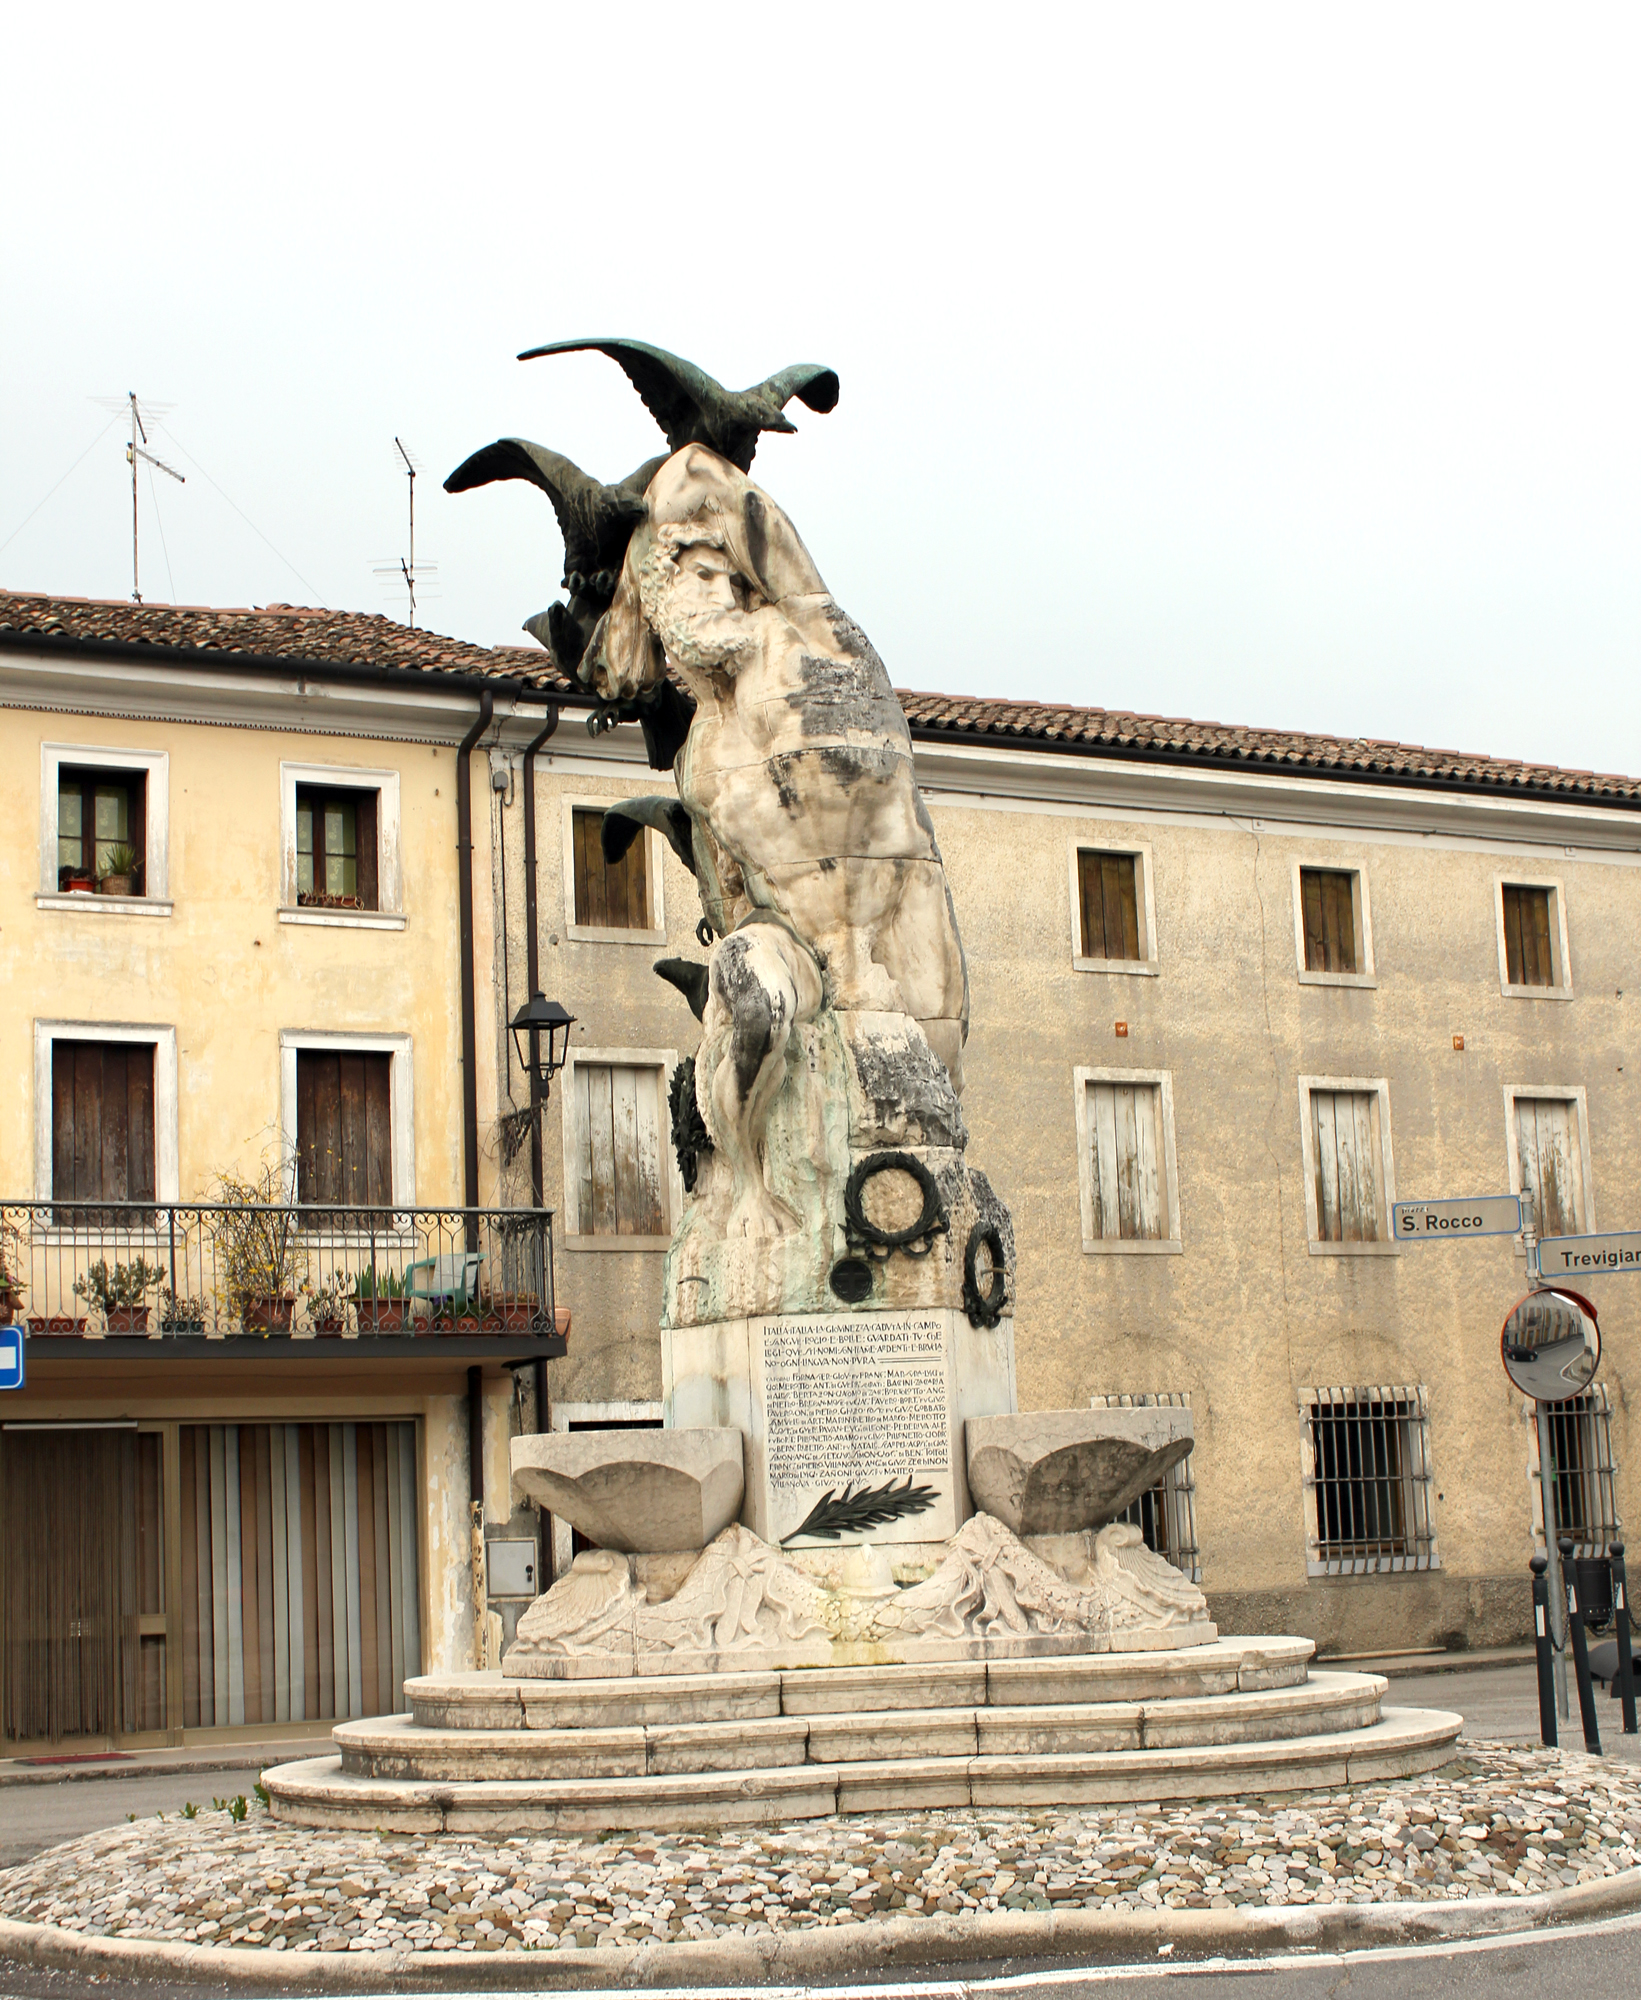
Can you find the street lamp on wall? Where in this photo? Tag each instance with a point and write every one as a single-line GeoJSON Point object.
{"type": "Point", "coordinates": [541, 1035]}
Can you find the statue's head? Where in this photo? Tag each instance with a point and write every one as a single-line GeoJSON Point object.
{"type": "Point", "coordinates": [714, 552]}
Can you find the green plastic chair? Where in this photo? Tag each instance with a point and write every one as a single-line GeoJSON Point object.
{"type": "Point", "coordinates": [453, 1280]}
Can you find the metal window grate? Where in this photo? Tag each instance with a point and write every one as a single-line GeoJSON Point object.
{"type": "Point", "coordinates": [1367, 1480]}
{"type": "Point", "coordinates": [1583, 1474]}
{"type": "Point", "coordinates": [1166, 1514]}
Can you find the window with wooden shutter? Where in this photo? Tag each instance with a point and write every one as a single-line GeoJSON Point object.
{"type": "Point", "coordinates": [1126, 1165]}
{"type": "Point", "coordinates": [336, 848]}
{"type": "Point", "coordinates": [102, 1121]}
{"type": "Point", "coordinates": [1533, 940]}
{"type": "Point", "coordinates": [1109, 906]}
{"type": "Point", "coordinates": [1550, 1159]}
{"type": "Point", "coordinates": [1346, 1151]}
{"type": "Point", "coordinates": [344, 1139]}
{"type": "Point", "coordinates": [1328, 905]}
{"type": "Point", "coordinates": [619, 1133]}
{"type": "Point", "coordinates": [608, 895]}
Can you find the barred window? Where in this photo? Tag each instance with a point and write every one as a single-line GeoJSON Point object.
{"type": "Point", "coordinates": [1166, 1514]}
{"type": "Point", "coordinates": [1583, 1489]}
{"type": "Point", "coordinates": [1368, 1479]}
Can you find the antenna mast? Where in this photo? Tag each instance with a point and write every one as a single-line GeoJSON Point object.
{"type": "Point", "coordinates": [403, 569]}
{"type": "Point", "coordinates": [133, 452]}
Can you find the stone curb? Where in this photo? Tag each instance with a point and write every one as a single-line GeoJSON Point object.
{"type": "Point", "coordinates": [882, 1945]}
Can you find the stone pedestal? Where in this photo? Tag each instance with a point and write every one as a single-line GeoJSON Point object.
{"type": "Point", "coordinates": [871, 1403]}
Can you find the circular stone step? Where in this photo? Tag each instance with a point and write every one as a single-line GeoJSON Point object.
{"type": "Point", "coordinates": [319, 1793]}
{"type": "Point", "coordinates": [487, 1701]}
{"type": "Point", "coordinates": [398, 1748]}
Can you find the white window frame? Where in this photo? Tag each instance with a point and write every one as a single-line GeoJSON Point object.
{"type": "Point", "coordinates": [1171, 1245]}
{"type": "Point", "coordinates": [1316, 1564]}
{"type": "Point", "coordinates": [389, 914]}
{"type": "Point", "coordinates": [155, 765]}
{"type": "Point", "coordinates": [401, 1100]}
{"type": "Point", "coordinates": [653, 855]}
{"type": "Point", "coordinates": [588, 1416]}
{"type": "Point", "coordinates": [1561, 965]}
{"type": "Point", "coordinates": [1565, 1093]}
{"type": "Point", "coordinates": [164, 1043]}
{"type": "Point", "coordinates": [1361, 912]}
{"type": "Point", "coordinates": [1146, 966]}
{"type": "Point", "coordinates": [664, 1060]}
{"type": "Point", "coordinates": [1380, 1087]}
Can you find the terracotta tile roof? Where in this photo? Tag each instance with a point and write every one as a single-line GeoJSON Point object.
{"type": "Point", "coordinates": [271, 632]}
{"type": "Point", "coordinates": [1116, 733]}
{"type": "Point", "coordinates": [362, 639]}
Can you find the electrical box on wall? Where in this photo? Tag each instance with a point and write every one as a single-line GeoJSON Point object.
{"type": "Point", "coordinates": [511, 1570]}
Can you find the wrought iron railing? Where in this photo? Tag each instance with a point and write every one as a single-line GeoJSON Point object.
{"type": "Point", "coordinates": [214, 1268]}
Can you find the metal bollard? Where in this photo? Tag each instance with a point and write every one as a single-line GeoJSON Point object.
{"type": "Point", "coordinates": [1581, 1650]}
{"type": "Point", "coordinates": [1621, 1626]}
{"type": "Point", "coordinates": [1544, 1646]}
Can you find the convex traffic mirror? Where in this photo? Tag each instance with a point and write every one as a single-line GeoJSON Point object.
{"type": "Point", "coordinates": [1551, 1345]}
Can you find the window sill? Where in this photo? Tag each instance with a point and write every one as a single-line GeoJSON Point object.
{"type": "Point", "coordinates": [597, 934]}
{"type": "Point", "coordinates": [616, 1242]}
{"type": "Point", "coordinates": [1537, 992]}
{"type": "Point", "coordinates": [346, 920]}
{"type": "Point", "coordinates": [1354, 1249]}
{"type": "Point", "coordinates": [1132, 1246]}
{"type": "Point", "coordinates": [1364, 1567]}
{"type": "Point", "coordinates": [1364, 979]}
{"type": "Point", "coordinates": [1144, 968]}
{"type": "Point", "coordinates": [104, 906]}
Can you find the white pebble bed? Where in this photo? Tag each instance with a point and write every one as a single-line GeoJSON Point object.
{"type": "Point", "coordinates": [1498, 1821]}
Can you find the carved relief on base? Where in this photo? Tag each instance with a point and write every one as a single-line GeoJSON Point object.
{"type": "Point", "coordinates": [745, 1605]}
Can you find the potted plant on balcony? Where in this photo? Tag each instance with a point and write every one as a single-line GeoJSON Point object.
{"type": "Point", "coordinates": [254, 1235]}
{"type": "Point", "coordinates": [12, 1286]}
{"type": "Point", "coordinates": [328, 1307]}
{"type": "Point", "coordinates": [379, 1298]}
{"type": "Point", "coordinates": [118, 874]}
{"type": "Point", "coordinates": [118, 1293]}
{"type": "Point", "coordinates": [182, 1315]}
{"type": "Point", "coordinates": [516, 1312]}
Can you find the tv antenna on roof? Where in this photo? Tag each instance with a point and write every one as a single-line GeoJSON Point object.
{"type": "Point", "coordinates": [405, 569]}
{"type": "Point", "coordinates": [133, 452]}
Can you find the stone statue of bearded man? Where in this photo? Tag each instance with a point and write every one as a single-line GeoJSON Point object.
{"type": "Point", "coordinates": [836, 1004]}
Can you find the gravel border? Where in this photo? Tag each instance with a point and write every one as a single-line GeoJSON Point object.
{"type": "Point", "coordinates": [1500, 1839]}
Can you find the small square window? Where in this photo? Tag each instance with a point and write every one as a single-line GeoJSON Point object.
{"type": "Point", "coordinates": [609, 895]}
{"type": "Point", "coordinates": [101, 830]}
{"type": "Point", "coordinates": [1333, 931]}
{"type": "Point", "coordinates": [1125, 1168]}
{"type": "Point", "coordinates": [1113, 922]}
{"type": "Point", "coordinates": [1345, 1148]}
{"type": "Point", "coordinates": [1532, 938]}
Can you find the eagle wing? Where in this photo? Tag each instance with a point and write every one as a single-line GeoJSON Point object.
{"type": "Point", "coordinates": [676, 393]}
{"type": "Point", "coordinates": [813, 386]}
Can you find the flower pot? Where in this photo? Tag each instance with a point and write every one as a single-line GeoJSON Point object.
{"type": "Point", "coordinates": [466, 1324]}
{"type": "Point", "coordinates": [192, 1326]}
{"type": "Point", "coordinates": [82, 885]}
{"type": "Point", "coordinates": [516, 1311]}
{"type": "Point", "coordinates": [268, 1315]}
{"type": "Point", "coordinates": [117, 885]}
{"type": "Point", "coordinates": [63, 1323]}
{"type": "Point", "coordinates": [128, 1319]}
{"type": "Point", "coordinates": [381, 1316]}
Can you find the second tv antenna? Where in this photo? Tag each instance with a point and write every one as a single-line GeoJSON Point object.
{"type": "Point", "coordinates": [137, 451]}
{"type": "Point", "coordinates": [405, 569]}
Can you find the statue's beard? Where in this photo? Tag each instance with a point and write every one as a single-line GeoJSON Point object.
{"type": "Point", "coordinates": [702, 639]}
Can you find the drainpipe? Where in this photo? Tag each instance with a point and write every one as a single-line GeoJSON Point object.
{"type": "Point", "coordinates": [464, 888]}
{"type": "Point", "coordinates": [475, 1512]}
{"type": "Point", "coordinates": [532, 960]}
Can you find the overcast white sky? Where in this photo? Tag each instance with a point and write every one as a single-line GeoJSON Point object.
{"type": "Point", "coordinates": [1266, 365]}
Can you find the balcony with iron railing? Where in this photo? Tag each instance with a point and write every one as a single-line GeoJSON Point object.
{"type": "Point", "coordinates": [219, 1277]}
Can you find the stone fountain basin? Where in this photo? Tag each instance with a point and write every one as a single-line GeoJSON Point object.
{"type": "Point", "coordinates": [1059, 1472]}
{"type": "Point", "coordinates": [637, 1492]}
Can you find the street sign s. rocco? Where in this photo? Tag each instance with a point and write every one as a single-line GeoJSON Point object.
{"type": "Point", "coordinates": [1451, 1221]}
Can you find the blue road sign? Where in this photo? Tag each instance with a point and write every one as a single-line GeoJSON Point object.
{"type": "Point", "coordinates": [11, 1357]}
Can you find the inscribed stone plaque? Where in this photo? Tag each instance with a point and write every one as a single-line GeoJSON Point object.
{"type": "Point", "coordinates": [862, 1402]}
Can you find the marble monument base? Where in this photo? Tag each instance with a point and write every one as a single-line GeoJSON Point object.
{"type": "Point", "coordinates": [853, 1421]}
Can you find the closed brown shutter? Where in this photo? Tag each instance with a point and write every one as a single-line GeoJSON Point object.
{"type": "Point", "coordinates": [365, 824]}
{"type": "Point", "coordinates": [1527, 956]}
{"type": "Point", "coordinates": [1328, 899]}
{"type": "Point", "coordinates": [608, 895]}
{"type": "Point", "coordinates": [1110, 905]}
{"type": "Point", "coordinates": [102, 1121]}
{"type": "Point", "coordinates": [344, 1146]}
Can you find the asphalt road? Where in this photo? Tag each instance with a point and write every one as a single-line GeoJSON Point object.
{"type": "Point", "coordinates": [34, 1817]}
